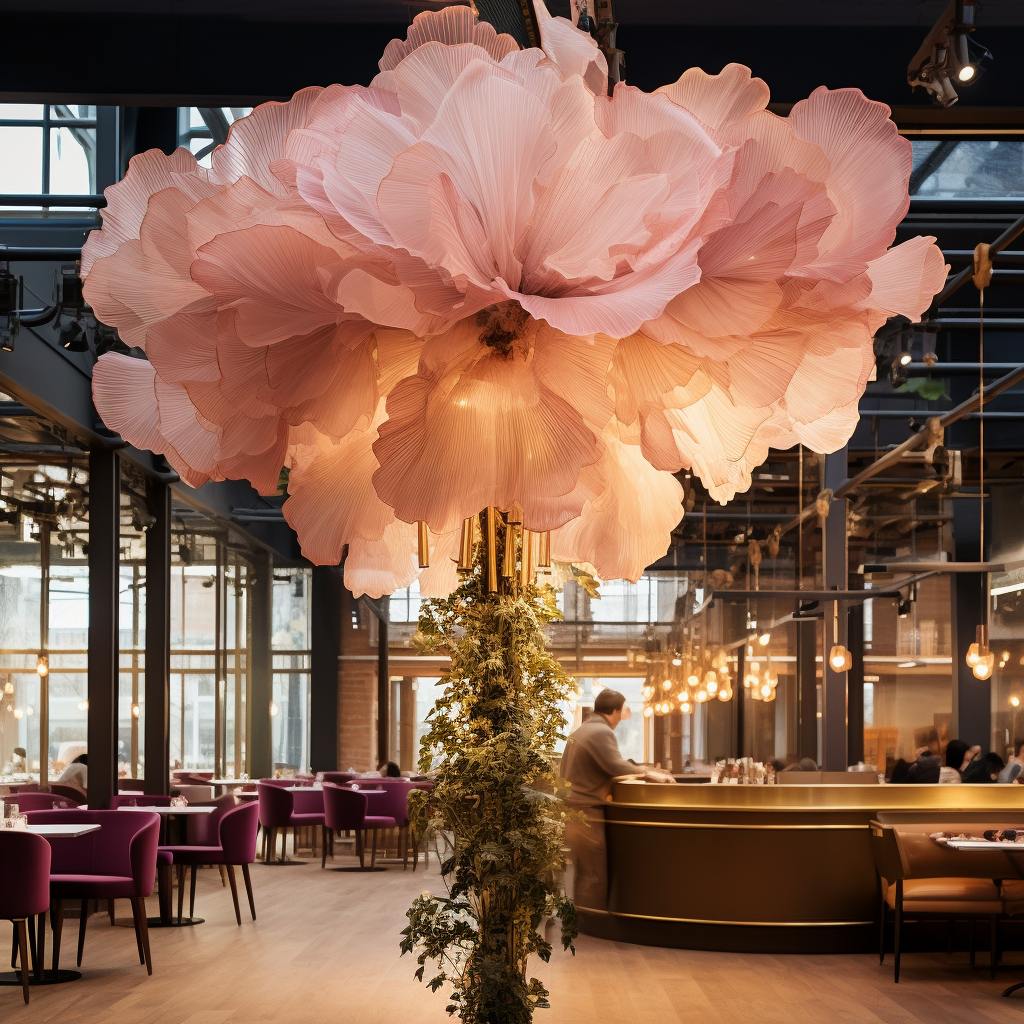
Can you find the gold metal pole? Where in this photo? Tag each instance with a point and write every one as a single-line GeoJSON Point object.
{"type": "Point", "coordinates": [423, 544]}
{"type": "Point", "coordinates": [466, 545]}
{"type": "Point", "coordinates": [526, 561]}
{"type": "Point", "coordinates": [544, 555]}
{"type": "Point", "coordinates": [492, 550]}
{"type": "Point", "coordinates": [508, 563]}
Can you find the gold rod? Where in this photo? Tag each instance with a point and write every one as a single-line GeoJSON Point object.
{"type": "Point", "coordinates": [544, 555]}
{"type": "Point", "coordinates": [423, 544]}
{"type": "Point", "coordinates": [466, 546]}
{"type": "Point", "coordinates": [508, 563]}
{"type": "Point", "coordinates": [492, 550]}
{"type": "Point", "coordinates": [526, 560]}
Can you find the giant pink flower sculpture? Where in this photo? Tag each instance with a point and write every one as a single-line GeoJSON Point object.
{"type": "Point", "coordinates": [482, 281]}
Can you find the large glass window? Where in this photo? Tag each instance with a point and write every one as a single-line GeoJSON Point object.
{"type": "Point", "coordinates": [970, 169]}
{"type": "Point", "coordinates": [290, 708]}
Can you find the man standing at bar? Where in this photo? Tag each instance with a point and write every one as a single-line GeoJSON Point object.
{"type": "Point", "coordinates": [589, 764]}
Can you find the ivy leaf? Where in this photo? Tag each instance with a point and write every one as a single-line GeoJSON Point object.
{"type": "Point", "coordinates": [928, 388]}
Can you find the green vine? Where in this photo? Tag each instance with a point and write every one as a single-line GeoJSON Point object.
{"type": "Point", "coordinates": [493, 807]}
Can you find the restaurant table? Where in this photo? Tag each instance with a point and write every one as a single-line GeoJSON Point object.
{"type": "Point", "coordinates": [41, 976]}
{"type": "Point", "coordinates": [226, 783]}
{"type": "Point", "coordinates": [993, 846]}
{"type": "Point", "coordinates": [169, 920]}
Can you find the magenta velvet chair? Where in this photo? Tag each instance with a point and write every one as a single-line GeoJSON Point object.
{"type": "Point", "coordinates": [116, 862]}
{"type": "Point", "coordinates": [25, 892]}
{"type": "Point", "coordinates": [339, 778]}
{"type": "Point", "coordinates": [38, 802]}
{"type": "Point", "coordinates": [278, 812]}
{"type": "Point", "coordinates": [394, 803]}
{"type": "Point", "coordinates": [69, 793]}
{"type": "Point", "coordinates": [236, 846]}
{"type": "Point", "coordinates": [347, 809]}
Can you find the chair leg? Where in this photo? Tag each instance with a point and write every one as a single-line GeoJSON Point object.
{"type": "Point", "coordinates": [263, 845]}
{"type": "Point", "coordinates": [373, 852]}
{"type": "Point", "coordinates": [23, 945]}
{"type": "Point", "coordinates": [165, 873]}
{"type": "Point", "coordinates": [81, 930]}
{"type": "Point", "coordinates": [181, 891]}
{"type": "Point", "coordinates": [993, 946]}
{"type": "Point", "coordinates": [40, 946]}
{"type": "Point", "coordinates": [897, 920]}
{"type": "Point", "coordinates": [881, 930]}
{"type": "Point", "coordinates": [30, 925]}
{"type": "Point", "coordinates": [248, 890]}
{"type": "Point", "coordinates": [192, 893]}
{"type": "Point", "coordinates": [110, 912]}
{"type": "Point", "coordinates": [323, 851]}
{"type": "Point", "coordinates": [142, 930]}
{"type": "Point", "coordinates": [223, 877]}
{"type": "Point", "coordinates": [360, 847]}
{"type": "Point", "coordinates": [57, 926]}
{"type": "Point", "coordinates": [234, 892]}
{"type": "Point", "coordinates": [14, 945]}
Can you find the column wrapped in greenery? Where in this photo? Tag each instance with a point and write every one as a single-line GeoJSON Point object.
{"type": "Point", "coordinates": [492, 738]}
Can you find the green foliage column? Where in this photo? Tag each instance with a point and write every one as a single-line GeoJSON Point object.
{"type": "Point", "coordinates": [492, 738]}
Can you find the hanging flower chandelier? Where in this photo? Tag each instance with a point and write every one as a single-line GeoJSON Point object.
{"type": "Point", "coordinates": [483, 282]}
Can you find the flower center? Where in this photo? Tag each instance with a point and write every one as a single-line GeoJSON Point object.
{"type": "Point", "coordinates": [501, 325]}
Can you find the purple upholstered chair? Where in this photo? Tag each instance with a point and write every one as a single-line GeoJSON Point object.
{"type": "Point", "coordinates": [394, 803]}
{"type": "Point", "coordinates": [76, 796]}
{"type": "Point", "coordinates": [25, 870]}
{"type": "Point", "coordinates": [340, 778]}
{"type": "Point", "coordinates": [236, 845]}
{"type": "Point", "coordinates": [278, 812]}
{"type": "Point", "coordinates": [116, 862]}
{"type": "Point", "coordinates": [38, 801]}
{"type": "Point", "coordinates": [139, 800]}
{"type": "Point", "coordinates": [347, 809]}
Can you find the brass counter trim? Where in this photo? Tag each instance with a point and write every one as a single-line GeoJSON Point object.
{"type": "Point", "coordinates": [747, 828]}
{"type": "Point", "coordinates": [736, 924]}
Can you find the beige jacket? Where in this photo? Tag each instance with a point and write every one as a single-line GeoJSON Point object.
{"type": "Point", "coordinates": [591, 760]}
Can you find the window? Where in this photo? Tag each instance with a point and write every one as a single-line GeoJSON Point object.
{"type": "Point", "coordinates": [48, 149]}
{"type": "Point", "coordinates": [202, 129]}
{"type": "Point", "coordinates": [973, 169]}
{"type": "Point", "coordinates": [291, 639]}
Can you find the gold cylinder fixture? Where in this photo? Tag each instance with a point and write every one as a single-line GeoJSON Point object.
{"type": "Point", "coordinates": [526, 560]}
{"type": "Point", "coordinates": [544, 554]}
{"type": "Point", "coordinates": [466, 546]}
{"type": "Point", "coordinates": [492, 549]}
{"type": "Point", "coordinates": [508, 562]}
{"type": "Point", "coordinates": [423, 544]}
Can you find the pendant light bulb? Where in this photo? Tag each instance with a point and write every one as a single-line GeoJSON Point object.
{"type": "Point", "coordinates": [666, 684]}
{"type": "Point", "coordinates": [42, 666]}
{"type": "Point", "coordinates": [764, 638]}
{"type": "Point", "coordinates": [702, 696]}
{"type": "Point", "coordinates": [750, 681]}
{"type": "Point", "coordinates": [983, 670]}
{"type": "Point", "coordinates": [692, 681]}
{"type": "Point", "coordinates": [765, 691]}
{"type": "Point", "coordinates": [648, 711]}
{"type": "Point", "coordinates": [840, 659]}
{"type": "Point", "coordinates": [686, 707]}
{"type": "Point", "coordinates": [973, 655]}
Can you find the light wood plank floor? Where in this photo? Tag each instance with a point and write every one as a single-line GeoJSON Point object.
{"type": "Point", "coordinates": [325, 948]}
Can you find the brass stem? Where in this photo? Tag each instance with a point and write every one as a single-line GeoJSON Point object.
{"type": "Point", "coordinates": [466, 546]}
{"type": "Point", "coordinates": [492, 550]}
{"type": "Point", "coordinates": [423, 544]}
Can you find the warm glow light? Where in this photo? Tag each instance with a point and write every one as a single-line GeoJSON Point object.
{"type": "Point", "coordinates": [273, 709]}
{"type": "Point", "coordinates": [711, 686]}
{"type": "Point", "coordinates": [905, 359]}
{"type": "Point", "coordinates": [967, 73]}
{"type": "Point", "coordinates": [686, 707]}
{"type": "Point", "coordinates": [1005, 656]}
{"type": "Point", "coordinates": [1015, 702]}
{"type": "Point", "coordinates": [692, 681]}
{"type": "Point", "coordinates": [702, 695]}
{"type": "Point", "coordinates": [983, 670]}
{"type": "Point", "coordinates": [648, 711]}
{"type": "Point", "coordinates": [840, 659]}
{"type": "Point", "coordinates": [677, 661]}
{"type": "Point", "coordinates": [749, 680]}
{"type": "Point", "coordinates": [766, 690]}
{"type": "Point", "coordinates": [41, 666]}
{"type": "Point", "coordinates": [83, 705]}
{"type": "Point", "coordinates": [8, 687]}
{"type": "Point", "coordinates": [136, 711]}
{"type": "Point", "coordinates": [725, 694]}
{"type": "Point", "coordinates": [17, 712]}
{"type": "Point", "coordinates": [764, 638]}
{"type": "Point", "coordinates": [973, 655]}
{"type": "Point", "coordinates": [667, 684]}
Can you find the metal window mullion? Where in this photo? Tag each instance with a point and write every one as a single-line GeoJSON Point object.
{"type": "Point", "coordinates": [46, 149]}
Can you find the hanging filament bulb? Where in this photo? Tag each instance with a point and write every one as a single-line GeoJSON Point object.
{"type": "Point", "coordinates": [666, 684]}
{"type": "Point", "coordinates": [692, 681]}
{"type": "Point", "coordinates": [701, 695]}
{"type": "Point", "coordinates": [1015, 702]}
{"type": "Point", "coordinates": [984, 668]}
{"type": "Point", "coordinates": [686, 707]}
{"type": "Point", "coordinates": [648, 711]}
{"type": "Point", "coordinates": [764, 638]}
{"type": "Point", "coordinates": [840, 659]}
{"type": "Point", "coordinates": [765, 691]}
{"type": "Point", "coordinates": [42, 665]}
{"type": "Point", "coordinates": [724, 694]}
{"type": "Point", "coordinates": [750, 681]}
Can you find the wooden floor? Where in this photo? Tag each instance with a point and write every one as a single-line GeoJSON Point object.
{"type": "Point", "coordinates": [325, 949]}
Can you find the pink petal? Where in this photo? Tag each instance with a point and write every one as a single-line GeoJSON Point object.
{"type": "Point", "coordinates": [378, 567]}
{"type": "Point", "coordinates": [474, 430]}
{"type": "Point", "coordinates": [256, 141]}
{"type": "Point", "coordinates": [571, 51]}
{"type": "Point", "coordinates": [869, 192]}
{"type": "Point", "coordinates": [128, 200]}
{"type": "Point", "coordinates": [719, 101]}
{"type": "Point", "coordinates": [451, 26]}
{"type": "Point", "coordinates": [628, 522]}
{"type": "Point", "coordinates": [906, 277]}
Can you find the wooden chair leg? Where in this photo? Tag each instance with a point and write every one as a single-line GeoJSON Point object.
{"type": "Point", "coordinates": [234, 892]}
{"type": "Point", "coordinates": [14, 945]}
{"type": "Point", "coordinates": [881, 930]}
{"type": "Point", "coordinates": [323, 851]}
{"type": "Point", "coordinates": [192, 893]}
{"type": "Point", "coordinates": [81, 930]}
{"type": "Point", "coordinates": [403, 836]}
{"type": "Point", "coordinates": [248, 890]}
{"type": "Point", "coordinates": [897, 920]}
{"type": "Point", "coordinates": [142, 930]}
{"type": "Point", "coordinates": [373, 852]}
{"type": "Point", "coordinates": [57, 926]}
{"type": "Point", "coordinates": [360, 847]}
{"type": "Point", "coordinates": [181, 891]}
{"type": "Point", "coordinates": [30, 924]}
{"type": "Point", "coordinates": [40, 946]}
{"type": "Point", "coordinates": [110, 912]}
{"type": "Point", "coordinates": [223, 877]}
{"type": "Point", "coordinates": [23, 945]}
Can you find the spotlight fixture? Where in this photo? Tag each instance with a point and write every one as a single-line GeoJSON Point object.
{"type": "Point", "coordinates": [184, 554]}
{"type": "Point", "coordinates": [142, 518]}
{"type": "Point", "coordinates": [71, 336]}
{"type": "Point", "coordinates": [949, 54]}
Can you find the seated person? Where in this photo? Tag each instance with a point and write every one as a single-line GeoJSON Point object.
{"type": "Point", "coordinates": [389, 770]}
{"type": "Point", "coordinates": [76, 774]}
{"type": "Point", "coordinates": [985, 769]}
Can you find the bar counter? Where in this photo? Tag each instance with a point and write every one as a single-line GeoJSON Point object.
{"type": "Point", "coordinates": [762, 868]}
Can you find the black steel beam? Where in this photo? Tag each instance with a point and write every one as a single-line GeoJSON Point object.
{"type": "Point", "coordinates": [104, 549]}
{"type": "Point", "coordinates": [158, 637]}
{"type": "Point", "coordinates": [835, 567]}
{"type": "Point", "coordinates": [259, 752]}
{"type": "Point", "coordinates": [855, 685]}
{"type": "Point", "coordinates": [325, 647]}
